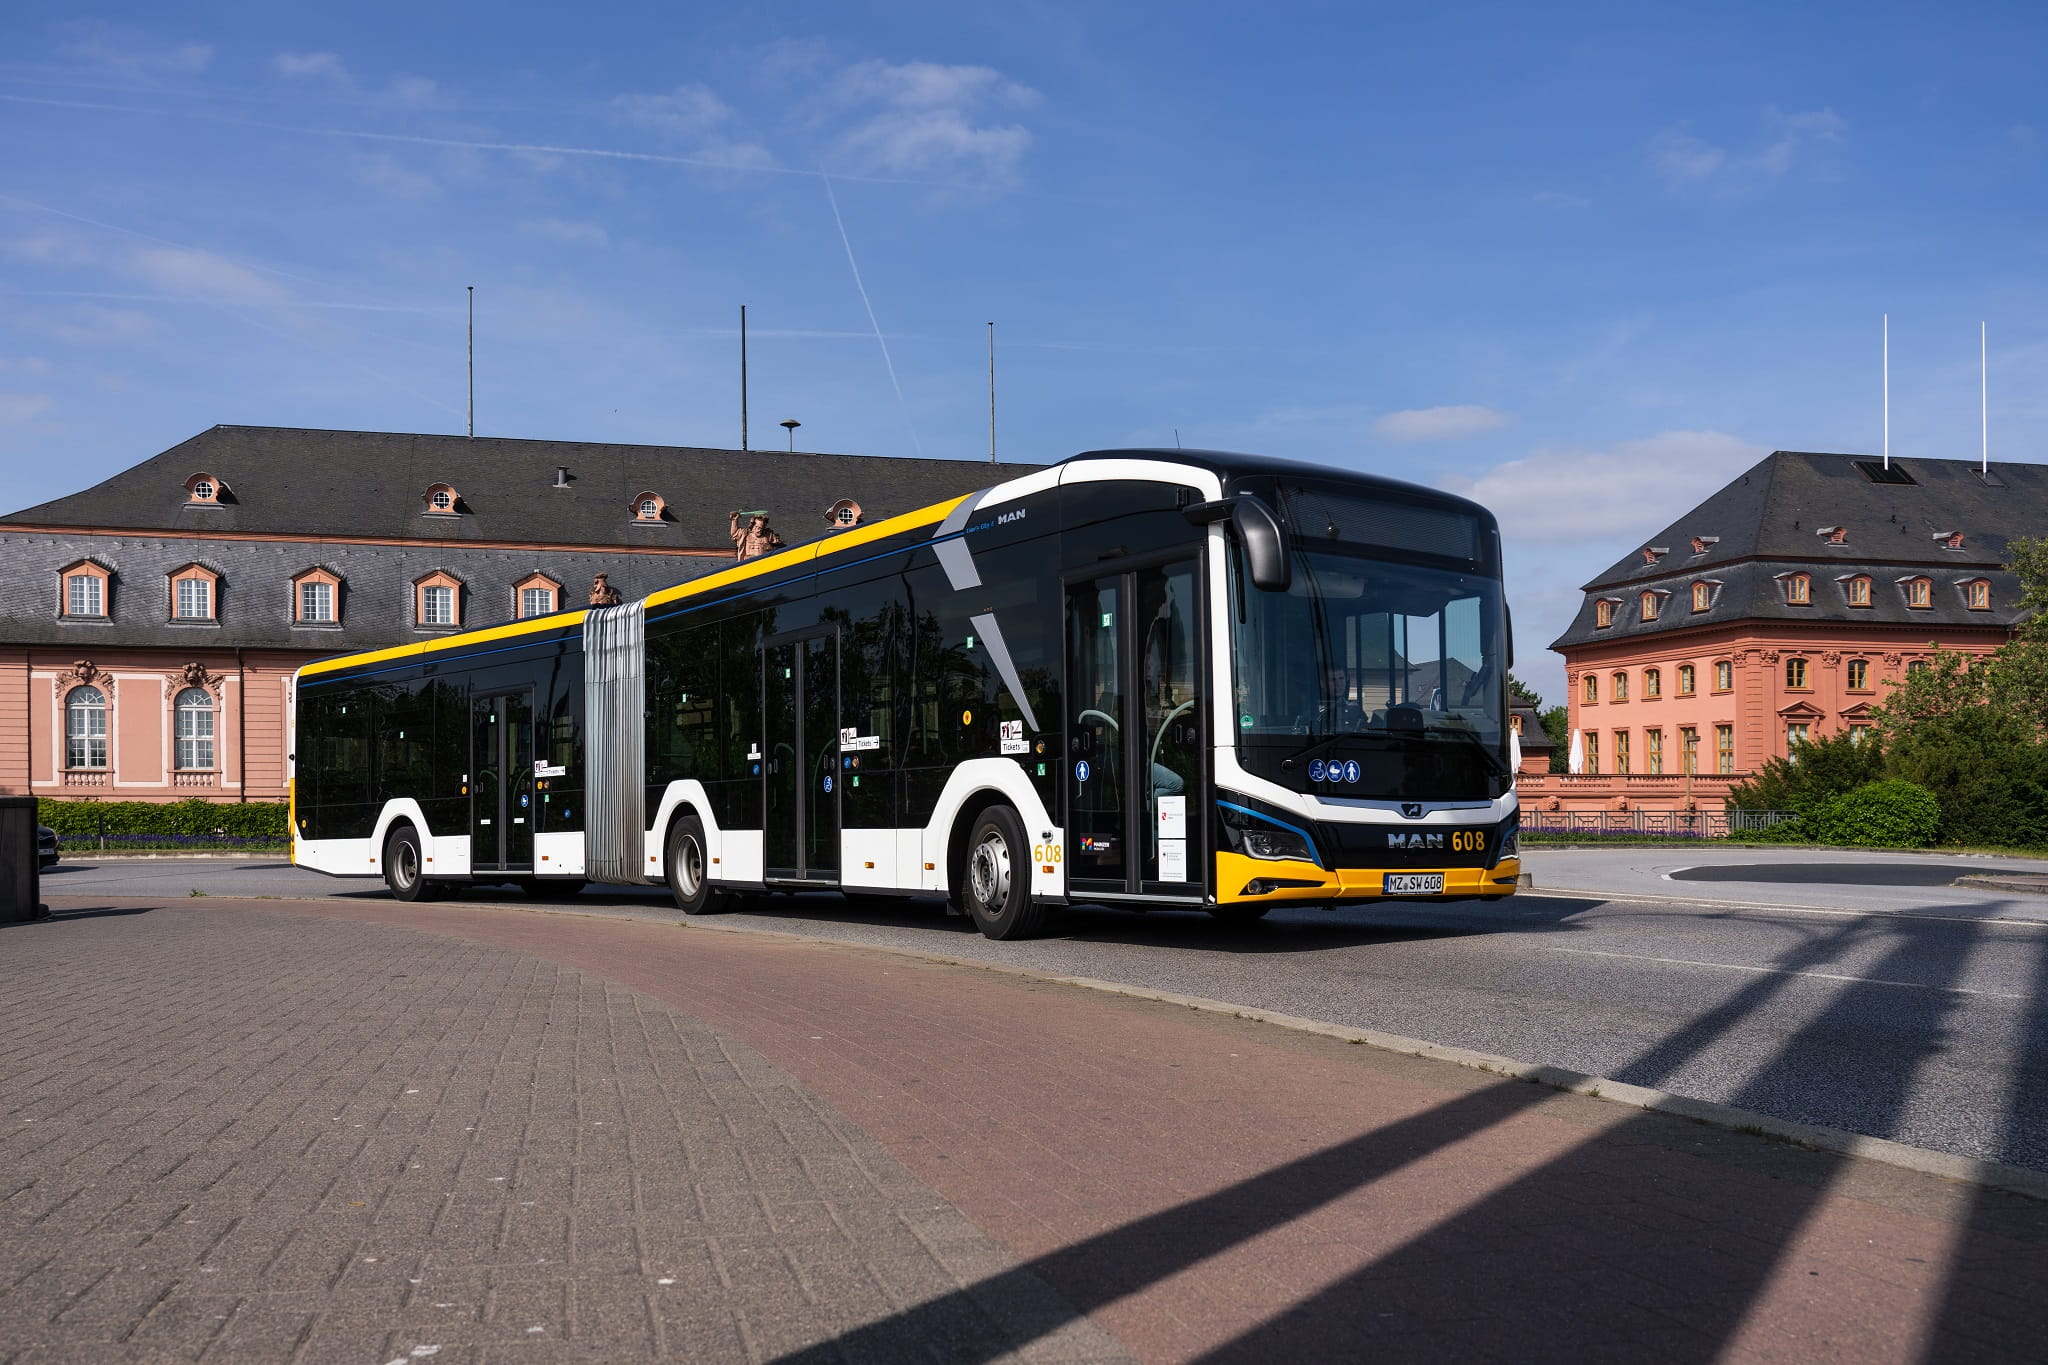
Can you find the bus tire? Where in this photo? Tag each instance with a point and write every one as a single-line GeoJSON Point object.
{"type": "Point", "coordinates": [689, 869]}
{"type": "Point", "coordinates": [995, 877]}
{"type": "Point", "coordinates": [404, 865]}
{"type": "Point", "coordinates": [1236, 913]}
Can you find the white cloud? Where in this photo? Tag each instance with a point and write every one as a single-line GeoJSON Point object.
{"type": "Point", "coordinates": [21, 407]}
{"type": "Point", "coordinates": [1440, 424]}
{"type": "Point", "coordinates": [92, 324]}
{"type": "Point", "coordinates": [302, 64]}
{"type": "Point", "coordinates": [128, 49]}
{"type": "Point", "coordinates": [562, 230]}
{"type": "Point", "coordinates": [201, 274]}
{"type": "Point", "coordinates": [25, 364]}
{"type": "Point", "coordinates": [927, 118]}
{"type": "Point", "coordinates": [694, 117]}
{"type": "Point", "coordinates": [384, 172]}
{"type": "Point", "coordinates": [1685, 160]}
{"type": "Point", "coordinates": [1607, 497]}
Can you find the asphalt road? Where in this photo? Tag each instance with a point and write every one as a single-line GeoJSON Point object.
{"type": "Point", "coordinates": [1853, 998]}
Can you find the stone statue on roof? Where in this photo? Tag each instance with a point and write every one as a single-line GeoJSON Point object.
{"type": "Point", "coordinates": [754, 538]}
{"type": "Point", "coordinates": [602, 593]}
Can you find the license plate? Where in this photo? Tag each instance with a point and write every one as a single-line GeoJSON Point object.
{"type": "Point", "coordinates": [1414, 884]}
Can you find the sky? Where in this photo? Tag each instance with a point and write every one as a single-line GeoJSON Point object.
{"type": "Point", "coordinates": [1581, 262]}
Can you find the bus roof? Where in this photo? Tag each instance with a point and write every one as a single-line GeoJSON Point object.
{"type": "Point", "coordinates": [1228, 466]}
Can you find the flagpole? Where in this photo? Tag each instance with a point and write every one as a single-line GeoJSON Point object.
{"type": "Point", "coordinates": [1984, 397]}
{"type": "Point", "coordinates": [472, 358]}
{"type": "Point", "coordinates": [1887, 390]}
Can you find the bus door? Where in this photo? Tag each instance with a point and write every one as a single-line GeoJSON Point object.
{"type": "Point", "coordinates": [501, 786]}
{"type": "Point", "coordinates": [800, 760]}
{"type": "Point", "coordinates": [1136, 786]}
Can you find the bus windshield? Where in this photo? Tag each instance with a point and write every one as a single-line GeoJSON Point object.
{"type": "Point", "coordinates": [1391, 674]}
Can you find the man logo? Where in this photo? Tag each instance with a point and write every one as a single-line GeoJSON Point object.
{"type": "Point", "coordinates": [1414, 839]}
{"type": "Point", "coordinates": [1411, 810]}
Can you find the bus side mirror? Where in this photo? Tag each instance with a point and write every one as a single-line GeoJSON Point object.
{"type": "Point", "coordinates": [1258, 530]}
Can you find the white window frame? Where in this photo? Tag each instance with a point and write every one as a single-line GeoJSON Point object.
{"type": "Point", "coordinates": [193, 713]}
{"type": "Point", "coordinates": [85, 729]}
{"type": "Point", "coordinates": [325, 615]}
{"type": "Point", "coordinates": [437, 605]}
{"type": "Point", "coordinates": [85, 601]}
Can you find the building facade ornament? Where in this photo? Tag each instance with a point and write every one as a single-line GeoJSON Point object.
{"type": "Point", "coordinates": [602, 593]}
{"type": "Point", "coordinates": [1832, 658]}
{"type": "Point", "coordinates": [193, 675]}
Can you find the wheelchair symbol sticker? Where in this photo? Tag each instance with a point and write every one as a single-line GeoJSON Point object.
{"type": "Point", "coordinates": [1315, 770]}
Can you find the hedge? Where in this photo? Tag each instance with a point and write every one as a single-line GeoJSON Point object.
{"type": "Point", "coordinates": [243, 820]}
{"type": "Point", "coordinates": [1877, 815]}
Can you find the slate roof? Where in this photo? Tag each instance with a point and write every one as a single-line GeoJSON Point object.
{"type": "Point", "coordinates": [315, 483]}
{"type": "Point", "coordinates": [1774, 519]}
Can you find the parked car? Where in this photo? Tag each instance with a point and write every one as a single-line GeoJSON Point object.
{"type": "Point", "coordinates": [46, 846]}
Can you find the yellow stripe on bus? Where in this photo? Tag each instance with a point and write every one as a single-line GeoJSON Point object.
{"type": "Point", "coordinates": [739, 573]}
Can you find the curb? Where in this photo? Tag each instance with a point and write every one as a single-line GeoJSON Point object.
{"type": "Point", "coordinates": [112, 855]}
{"type": "Point", "coordinates": [1995, 1175]}
{"type": "Point", "coordinates": [1996, 883]}
{"type": "Point", "coordinates": [1651, 898]}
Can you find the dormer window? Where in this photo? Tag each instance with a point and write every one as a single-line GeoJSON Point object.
{"type": "Point", "coordinates": [536, 595]}
{"type": "Point", "coordinates": [204, 489]}
{"type": "Point", "coordinates": [1653, 553]}
{"type": "Point", "coordinates": [1603, 613]}
{"type": "Point", "coordinates": [1977, 593]}
{"type": "Point", "coordinates": [1950, 540]}
{"type": "Point", "coordinates": [1856, 590]}
{"type": "Point", "coordinates": [1919, 592]}
{"type": "Point", "coordinates": [87, 592]}
{"type": "Point", "coordinates": [1702, 544]}
{"type": "Point", "coordinates": [437, 600]}
{"type": "Point", "coordinates": [1651, 603]}
{"type": "Point", "coordinates": [649, 507]}
{"type": "Point", "coordinates": [1834, 535]}
{"type": "Point", "coordinates": [1702, 595]}
{"type": "Point", "coordinates": [1798, 590]}
{"type": "Point", "coordinates": [442, 500]}
{"type": "Point", "coordinates": [195, 594]}
{"type": "Point", "coordinates": [316, 598]}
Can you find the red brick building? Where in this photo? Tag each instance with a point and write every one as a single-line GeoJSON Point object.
{"type": "Point", "coordinates": [1779, 610]}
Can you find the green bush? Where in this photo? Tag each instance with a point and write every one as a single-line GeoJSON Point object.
{"type": "Point", "coordinates": [1987, 771]}
{"type": "Point", "coordinates": [1818, 770]}
{"type": "Point", "coordinates": [1877, 815]}
{"type": "Point", "coordinates": [242, 820]}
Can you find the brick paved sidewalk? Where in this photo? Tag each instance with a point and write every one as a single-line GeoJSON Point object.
{"type": "Point", "coordinates": [1201, 1187]}
{"type": "Point", "coordinates": [252, 1137]}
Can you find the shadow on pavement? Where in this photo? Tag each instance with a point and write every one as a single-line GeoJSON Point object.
{"type": "Point", "coordinates": [89, 912]}
{"type": "Point", "coordinates": [1914, 873]}
{"type": "Point", "coordinates": [1620, 1246]}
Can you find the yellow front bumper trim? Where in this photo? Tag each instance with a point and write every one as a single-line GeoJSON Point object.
{"type": "Point", "coordinates": [1234, 872]}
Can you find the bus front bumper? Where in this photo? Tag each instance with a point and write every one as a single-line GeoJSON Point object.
{"type": "Point", "coordinates": [1242, 880]}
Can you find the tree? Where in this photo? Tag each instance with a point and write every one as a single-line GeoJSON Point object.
{"type": "Point", "coordinates": [1817, 771]}
{"type": "Point", "coordinates": [1557, 723]}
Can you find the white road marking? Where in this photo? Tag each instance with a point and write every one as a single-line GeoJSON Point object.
{"type": "Point", "coordinates": [1785, 971]}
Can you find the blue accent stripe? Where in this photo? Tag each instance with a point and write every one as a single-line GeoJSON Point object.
{"type": "Point", "coordinates": [1292, 829]}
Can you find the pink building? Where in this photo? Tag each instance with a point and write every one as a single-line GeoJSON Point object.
{"type": "Point", "coordinates": [1777, 611]}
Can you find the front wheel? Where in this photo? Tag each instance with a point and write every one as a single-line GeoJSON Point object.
{"type": "Point", "coordinates": [404, 865]}
{"type": "Point", "coordinates": [996, 878]}
{"type": "Point", "coordinates": [688, 866]}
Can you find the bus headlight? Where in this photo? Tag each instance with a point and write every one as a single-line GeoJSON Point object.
{"type": "Point", "coordinates": [1277, 843]}
{"type": "Point", "coordinates": [1510, 845]}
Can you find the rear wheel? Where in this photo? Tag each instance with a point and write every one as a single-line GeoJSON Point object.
{"type": "Point", "coordinates": [405, 864]}
{"type": "Point", "coordinates": [689, 867]}
{"type": "Point", "coordinates": [995, 878]}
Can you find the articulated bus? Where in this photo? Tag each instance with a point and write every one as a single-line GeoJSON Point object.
{"type": "Point", "coordinates": [1157, 678]}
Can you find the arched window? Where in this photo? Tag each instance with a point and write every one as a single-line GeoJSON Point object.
{"type": "Point", "coordinates": [1858, 589]}
{"type": "Point", "coordinates": [1798, 589]}
{"type": "Point", "coordinates": [1685, 680]}
{"type": "Point", "coordinates": [1620, 692]}
{"type": "Point", "coordinates": [1919, 592]}
{"type": "Point", "coordinates": [1859, 675]}
{"type": "Point", "coordinates": [1603, 613]}
{"type": "Point", "coordinates": [1653, 683]}
{"type": "Point", "coordinates": [1978, 594]}
{"type": "Point", "coordinates": [85, 728]}
{"type": "Point", "coordinates": [1702, 596]}
{"type": "Point", "coordinates": [1724, 676]}
{"type": "Point", "coordinates": [194, 708]}
{"type": "Point", "coordinates": [1592, 687]}
{"type": "Point", "coordinates": [1649, 604]}
{"type": "Point", "coordinates": [1795, 672]}
{"type": "Point", "coordinates": [1916, 668]}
